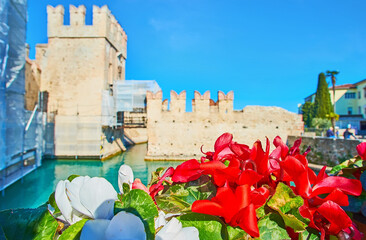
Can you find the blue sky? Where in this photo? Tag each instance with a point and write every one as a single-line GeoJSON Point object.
{"type": "Point", "coordinates": [269, 52]}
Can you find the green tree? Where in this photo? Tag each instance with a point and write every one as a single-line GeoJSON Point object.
{"type": "Point", "coordinates": [307, 111]}
{"type": "Point", "coordinates": [333, 117]}
{"type": "Point", "coordinates": [322, 105]}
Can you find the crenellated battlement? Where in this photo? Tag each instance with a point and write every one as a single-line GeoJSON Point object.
{"type": "Point", "coordinates": [202, 103]}
{"type": "Point", "coordinates": [174, 133]}
{"type": "Point", "coordinates": [104, 25]}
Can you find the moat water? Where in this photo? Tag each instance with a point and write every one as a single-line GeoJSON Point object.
{"type": "Point", "coordinates": [36, 187]}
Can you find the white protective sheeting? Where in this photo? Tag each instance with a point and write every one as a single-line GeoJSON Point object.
{"type": "Point", "coordinates": [131, 94]}
{"type": "Point", "coordinates": [108, 112]}
{"type": "Point", "coordinates": [4, 47]}
{"type": "Point", "coordinates": [13, 116]}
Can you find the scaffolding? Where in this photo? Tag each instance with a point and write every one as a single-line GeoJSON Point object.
{"type": "Point", "coordinates": [130, 95]}
{"type": "Point", "coordinates": [20, 130]}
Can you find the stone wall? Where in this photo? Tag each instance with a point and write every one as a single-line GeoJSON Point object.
{"type": "Point", "coordinates": [32, 83]}
{"type": "Point", "coordinates": [174, 133]}
{"type": "Point", "coordinates": [327, 151]}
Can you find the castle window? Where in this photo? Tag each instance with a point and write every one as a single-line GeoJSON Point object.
{"type": "Point", "coordinates": [350, 95]}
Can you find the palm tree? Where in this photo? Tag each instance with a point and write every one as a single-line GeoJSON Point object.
{"type": "Point", "coordinates": [332, 75]}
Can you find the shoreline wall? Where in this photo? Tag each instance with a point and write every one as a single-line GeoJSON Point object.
{"type": "Point", "coordinates": [327, 151]}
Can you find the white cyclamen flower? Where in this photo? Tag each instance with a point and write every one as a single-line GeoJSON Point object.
{"type": "Point", "coordinates": [173, 231]}
{"type": "Point", "coordinates": [160, 220]}
{"type": "Point", "coordinates": [125, 175]}
{"type": "Point", "coordinates": [85, 197]}
{"type": "Point", "coordinates": [123, 226]}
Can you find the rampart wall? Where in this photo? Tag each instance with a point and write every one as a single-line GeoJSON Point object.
{"type": "Point", "coordinates": [174, 133]}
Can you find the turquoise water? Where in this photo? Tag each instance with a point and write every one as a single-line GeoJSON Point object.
{"type": "Point", "coordinates": [38, 185]}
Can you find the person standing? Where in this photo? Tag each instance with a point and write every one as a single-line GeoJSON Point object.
{"type": "Point", "coordinates": [347, 134]}
{"type": "Point", "coordinates": [330, 132]}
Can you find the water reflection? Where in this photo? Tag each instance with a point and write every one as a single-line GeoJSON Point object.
{"type": "Point", "coordinates": [38, 185]}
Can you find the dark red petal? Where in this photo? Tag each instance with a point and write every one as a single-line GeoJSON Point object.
{"type": "Point", "coordinates": [242, 196]}
{"type": "Point", "coordinates": [348, 186]}
{"type": "Point", "coordinates": [312, 176]}
{"type": "Point", "coordinates": [187, 171]}
{"type": "Point", "coordinates": [240, 150]}
{"type": "Point", "coordinates": [155, 189]}
{"type": "Point", "coordinates": [276, 154]}
{"type": "Point", "coordinates": [306, 213]}
{"type": "Point", "coordinates": [260, 157]}
{"type": "Point", "coordinates": [361, 149]}
{"type": "Point", "coordinates": [226, 198]}
{"type": "Point", "coordinates": [295, 149]}
{"type": "Point", "coordinates": [357, 234]}
{"type": "Point", "coordinates": [168, 173]}
{"type": "Point", "coordinates": [212, 165]}
{"type": "Point", "coordinates": [336, 196]}
{"type": "Point", "coordinates": [279, 143]}
{"type": "Point", "coordinates": [274, 166]}
{"type": "Point", "coordinates": [224, 204]}
{"type": "Point", "coordinates": [208, 207]}
{"type": "Point", "coordinates": [223, 141]}
{"type": "Point", "coordinates": [299, 174]}
{"type": "Point", "coordinates": [223, 154]}
{"type": "Point", "coordinates": [249, 177]}
{"type": "Point", "coordinates": [321, 175]}
{"type": "Point", "coordinates": [335, 215]}
{"type": "Point", "coordinates": [220, 176]}
{"type": "Point", "coordinates": [259, 196]}
{"type": "Point", "coordinates": [247, 220]}
{"type": "Point", "coordinates": [302, 159]}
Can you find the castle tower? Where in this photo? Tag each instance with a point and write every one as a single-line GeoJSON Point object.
{"type": "Point", "coordinates": [79, 65]}
{"type": "Point", "coordinates": [82, 60]}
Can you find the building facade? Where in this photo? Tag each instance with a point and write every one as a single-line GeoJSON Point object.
{"type": "Point", "coordinates": [350, 105]}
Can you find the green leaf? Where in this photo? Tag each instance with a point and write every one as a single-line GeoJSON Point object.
{"type": "Point", "coordinates": [155, 176]}
{"type": "Point", "coordinates": [209, 227]}
{"type": "Point", "coordinates": [272, 227]}
{"type": "Point", "coordinates": [309, 234]}
{"type": "Point", "coordinates": [28, 223]}
{"type": "Point", "coordinates": [73, 232]}
{"type": "Point", "coordinates": [348, 167]}
{"type": "Point", "coordinates": [52, 202]}
{"type": "Point", "coordinates": [172, 204]}
{"type": "Point", "coordinates": [126, 188]}
{"type": "Point", "coordinates": [71, 177]}
{"type": "Point", "coordinates": [236, 233]}
{"type": "Point", "coordinates": [117, 206]}
{"type": "Point", "coordinates": [260, 211]}
{"type": "Point", "coordinates": [287, 204]}
{"type": "Point", "coordinates": [141, 204]}
{"type": "Point", "coordinates": [179, 197]}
